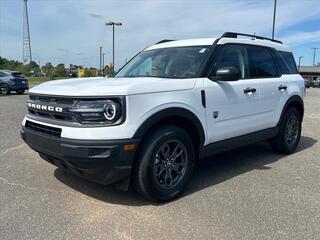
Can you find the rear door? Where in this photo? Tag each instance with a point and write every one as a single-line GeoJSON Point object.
{"type": "Point", "coordinates": [273, 85]}
{"type": "Point", "coordinates": [232, 110]}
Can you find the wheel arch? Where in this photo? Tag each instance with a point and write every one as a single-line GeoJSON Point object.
{"type": "Point", "coordinates": [296, 102]}
{"type": "Point", "coordinates": [177, 116]}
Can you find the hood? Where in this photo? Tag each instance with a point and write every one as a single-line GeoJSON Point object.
{"type": "Point", "coordinates": [101, 86]}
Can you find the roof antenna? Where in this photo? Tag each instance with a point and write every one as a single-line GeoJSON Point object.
{"type": "Point", "coordinates": [254, 34]}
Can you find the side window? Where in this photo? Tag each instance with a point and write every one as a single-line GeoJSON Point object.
{"type": "Point", "coordinates": [288, 58]}
{"type": "Point", "coordinates": [2, 74]}
{"type": "Point", "coordinates": [262, 63]}
{"type": "Point", "coordinates": [232, 56]}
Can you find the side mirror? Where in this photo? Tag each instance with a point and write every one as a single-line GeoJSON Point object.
{"type": "Point", "coordinates": [227, 74]}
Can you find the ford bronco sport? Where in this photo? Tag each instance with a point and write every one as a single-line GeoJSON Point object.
{"type": "Point", "coordinates": [173, 103]}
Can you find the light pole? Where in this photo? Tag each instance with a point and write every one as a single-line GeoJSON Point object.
{"type": "Point", "coordinates": [103, 54]}
{"type": "Point", "coordinates": [100, 51]}
{"type": "Point", "coordinates": [113, 24]}
{"type": "Point", "coordinates": [299, 62]}
{"type": "Point", "coordinates": [274, 17]}
{"type": "Point", "coordinates": [314, 55]}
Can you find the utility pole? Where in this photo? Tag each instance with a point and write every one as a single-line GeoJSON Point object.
{"type": "Point", "coordinates": [314, 55]}
{"type": "Point", "coordinates": [299, 62]}
{"type": "Point", "coordinates": [274, 17]}
{"type": "Point", "coordinates": [100, 58]}
{"type": "Point", "coordinates": [113, 24]}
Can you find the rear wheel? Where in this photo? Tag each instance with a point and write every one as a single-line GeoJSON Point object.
{"type": "Point", "coordinates": [165, 164]}
{"type": "Point", "coordinates": [4, 89]}
{"type": "Point", "coordinates": [20, 91]}
{"type": "Point", "coordinates": [289, 134]}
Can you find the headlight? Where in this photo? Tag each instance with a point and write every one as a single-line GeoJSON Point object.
{"type": "Point", "coordinates": [97, 111]}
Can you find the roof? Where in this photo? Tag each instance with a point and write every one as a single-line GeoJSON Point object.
{"type": "Point", "coordinates": [309, 69]}
{"type": "Point", "coordinates": [184, 43]}
{"type": "Point", "coordinates": [9, 71]}
{"type": "Point", "coordinates": [210, 41]}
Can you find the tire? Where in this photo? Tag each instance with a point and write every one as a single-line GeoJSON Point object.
{"type": "Point", "coordinates": [20, 91]}
{"type": "Point", "coordinates": [4, 89]}
{"type": "Point", "coordinates": [289, 134]}
{"type": "Point", "coordinates": [153, 167]}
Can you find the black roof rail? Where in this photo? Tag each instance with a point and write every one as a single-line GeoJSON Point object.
{"type": "Point", "coordinates": [235, 35]}
{"type": "Point", "coordinates": [164, 41]}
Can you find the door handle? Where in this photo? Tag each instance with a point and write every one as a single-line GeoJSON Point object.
{"type": "Point", "coordinates": [249, 90]}
{"type": "Point", "coordinates": [282, 87]}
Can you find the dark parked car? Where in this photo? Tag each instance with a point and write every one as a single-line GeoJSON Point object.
{"type": "Point", "coordinates": [12, 81]}
{"type": "Point", "coordinates": [307, 83]}
{"type": "Point", "coordinates": [316, 83]}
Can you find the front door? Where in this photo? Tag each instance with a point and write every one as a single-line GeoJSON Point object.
{"type": "Point", "coordinates": [232, 106]}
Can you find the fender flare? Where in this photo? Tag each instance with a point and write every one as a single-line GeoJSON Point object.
{"type": "Point", "coordinates": [171, 112]}
{"type": "Point", "coordinates": [292, 99]}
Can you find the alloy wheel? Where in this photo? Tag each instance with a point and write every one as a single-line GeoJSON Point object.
{"type": "Point", "coordinates": [292, 129]}
{"type": "Point", "coordinates": [170, 164]}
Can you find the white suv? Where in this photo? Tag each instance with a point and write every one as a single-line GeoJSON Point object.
{"type": "Point", "coordinates": [173, 103]}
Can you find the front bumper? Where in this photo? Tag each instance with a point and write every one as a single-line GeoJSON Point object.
{"type": "Point", "coordinates": [101, 161]}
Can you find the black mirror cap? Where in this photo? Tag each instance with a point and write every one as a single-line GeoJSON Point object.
{"type": "Point", "coordinates": [227, 74]}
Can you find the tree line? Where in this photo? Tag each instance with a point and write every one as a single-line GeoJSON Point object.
{"type": "Point", "coordinates": [49, 70]}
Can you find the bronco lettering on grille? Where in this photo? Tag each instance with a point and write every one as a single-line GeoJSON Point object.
{"type": "Point", "coordinates": [45, 107]}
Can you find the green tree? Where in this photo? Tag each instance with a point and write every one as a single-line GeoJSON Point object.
{"type": "Point", "coordinates": [60, 71]}
{"type": "Point", "coordinates": [9, 64]}
{"type": "Point", "coordinates": [108, 70]}
{"type": "Point", "coordinates": [48, 69]}
{"type": "Point", "coordinates": [88, 73]}
{"type": "Point", "coordinates": [33, 65]}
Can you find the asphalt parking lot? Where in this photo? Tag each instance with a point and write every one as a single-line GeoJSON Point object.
{"type": "Point", "coordinates": [249, 193]}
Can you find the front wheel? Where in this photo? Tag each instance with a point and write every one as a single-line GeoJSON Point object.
{"type": "Point", "coordinates": [165, 164]}
{"type": "Point", "coordinates": [289, 134]}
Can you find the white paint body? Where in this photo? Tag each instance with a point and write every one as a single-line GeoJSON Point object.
{"type": "Point", "coordinates": [239, 113]}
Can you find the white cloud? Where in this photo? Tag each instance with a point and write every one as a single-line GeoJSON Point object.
{"type": "Point", "coordinates": [299, 38]}
{"type": "Point", "coordinates": [79, 25]}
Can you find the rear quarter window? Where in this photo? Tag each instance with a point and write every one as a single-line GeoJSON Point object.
{"type": "Point", "coordinates": [287, 63]}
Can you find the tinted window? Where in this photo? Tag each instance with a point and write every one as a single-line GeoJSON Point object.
{"type": "Point", "coordinates": [18, 75]}
{"type": "Point", "coordinates": [290, 62]}
{"type": "Point", "coordinates": [232, 56]}
{"type": "Point", "coordinates": [283, 65]}
{"type": "Point", "coordinates": [262, 63]}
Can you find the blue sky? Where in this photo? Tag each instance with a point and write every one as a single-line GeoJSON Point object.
{"type": "Point", "coordinates": [69, 31]}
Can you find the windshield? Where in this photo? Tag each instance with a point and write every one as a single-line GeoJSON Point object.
{"type": "Point", "coordinates": [175, 62]}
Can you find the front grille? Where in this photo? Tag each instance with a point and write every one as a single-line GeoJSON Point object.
{"type": "Point", "coordinates": [56, 109]}
{"type": "Point", "coordinates": [64, 103]}
{"type": "Point", "coordinates": [52, 131]}
{"type": "Point", "coordinates": [63, 117]}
